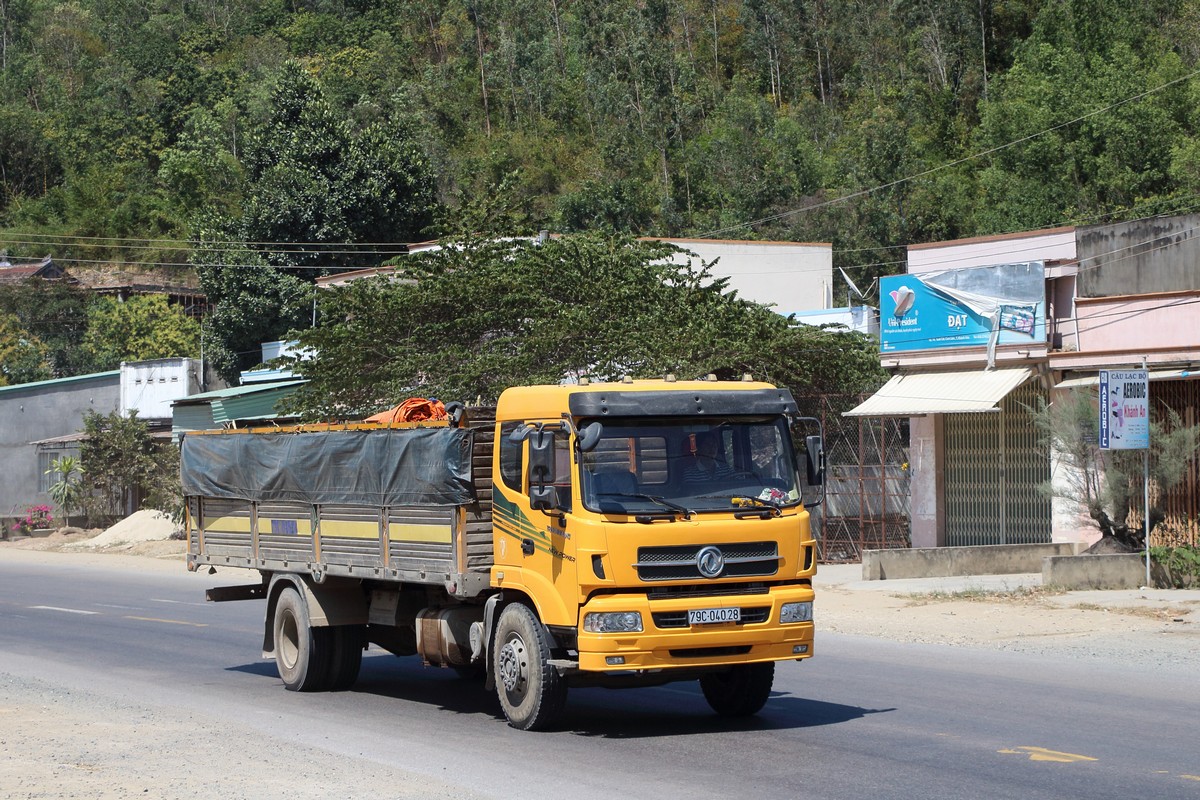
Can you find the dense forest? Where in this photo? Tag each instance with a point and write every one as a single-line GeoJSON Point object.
{"type": "Point", "coordinates": [311, 135]}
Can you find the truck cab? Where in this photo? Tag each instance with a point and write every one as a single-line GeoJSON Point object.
{"type": "Point", "coordinates": [649, 531]}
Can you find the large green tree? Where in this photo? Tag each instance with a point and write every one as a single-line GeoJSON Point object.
{"type": "Point", "coordinates": [138, 329]}
{"type": "Point", "coordinates": [483, 313]}
{"type": "Point", "coordinates": [53, 313]}
{"type": "Point", "coordinates": [319, 195]}
{"type": "Point", "coordinates": [23, 357]}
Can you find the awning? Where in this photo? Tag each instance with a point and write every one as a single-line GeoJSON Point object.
{"type": "Point", "coordinates": [1155, 375]}
{"type": "Point", "coordinates": [923, 393]}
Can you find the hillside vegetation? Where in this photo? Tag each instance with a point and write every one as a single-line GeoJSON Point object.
{"type": "Point", "coordinates": [320, 134]}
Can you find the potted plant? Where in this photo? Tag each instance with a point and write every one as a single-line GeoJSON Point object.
{"type": "Point", "coordinates": [36, 521]}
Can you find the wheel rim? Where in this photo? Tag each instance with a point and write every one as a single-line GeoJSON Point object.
{"type": "Point", "coordinates": [513, 667]}
{"type": "Point", "coordinates": [289, 640]}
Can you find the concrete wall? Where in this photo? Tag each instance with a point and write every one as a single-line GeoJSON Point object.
{"type": "Point", "coordinates": [791, 276]}
{"type": "Point", "coordinates": [995, 559]}
{"type": "Point", "coordinates": [927, 516]}
{"type": "Point", "coordinates": [149, 387]}
{"type": "Point", "coordinates": [30, 412]}
{"type": "Point", "coordinates": [1140, 257]}
{"type": "Point", "coordinates": [1160, 326]}
{"type": "Point", "coordinates": [1113, 571]}
{"type": "Point", "coordinates": [1051, 245]}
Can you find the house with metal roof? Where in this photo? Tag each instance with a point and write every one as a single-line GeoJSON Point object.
{"type": "Point", "coordinates": [980, 330]}
{"type": "Point", "coordinates": [255, 402]}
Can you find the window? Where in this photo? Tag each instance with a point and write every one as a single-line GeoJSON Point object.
{"type": "Point", "coordinates": [511, 456]}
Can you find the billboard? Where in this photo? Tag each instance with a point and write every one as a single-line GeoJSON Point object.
{"type": "Point", "coordinates": [980, 306]}
{"type": "Point", "coordinates": [1124, 410]}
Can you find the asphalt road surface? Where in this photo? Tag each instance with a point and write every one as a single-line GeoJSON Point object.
{"type": "Point", "coordinates": [120, 681]}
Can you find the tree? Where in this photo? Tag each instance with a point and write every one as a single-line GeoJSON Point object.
{"type": "Point", "coordinates": [23, 357]}
{"type": "Point", "coordinates": [54, 313]}
{"type": "Point", "coordinates": [138, 329]}
{"type": "Point", "coordinates": [67, 491]}
{"type": "Point", "coordinates": [1108, 484]}
{"type": "Point", "coordinates": [318, 196]}
{"type": "Point", "coordinates": [484, 313]}
{"type": "Point", "coordinates": [121, 464]}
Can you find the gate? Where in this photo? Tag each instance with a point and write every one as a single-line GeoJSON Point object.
{"type": "Point", "coordinates": [994, 465]}
{"type": "Point", "coordinates": [866, 486]}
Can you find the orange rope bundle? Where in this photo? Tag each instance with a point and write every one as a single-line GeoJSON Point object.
{"type": "Point", "coordinates": [414, 409]}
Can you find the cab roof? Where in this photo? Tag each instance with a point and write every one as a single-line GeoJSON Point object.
{"type": "Point", "coordinates": [550, 402]}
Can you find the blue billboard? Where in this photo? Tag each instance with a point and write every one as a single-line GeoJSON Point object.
{"type": "Point", "coordinates": [963, 308]}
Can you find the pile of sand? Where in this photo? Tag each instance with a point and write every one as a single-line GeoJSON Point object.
{"type": "Point", "coordinates": [141, 526]}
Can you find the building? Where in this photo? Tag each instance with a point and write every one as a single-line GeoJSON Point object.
{"type": "Point", "coordinates": [45, 269]}
{"type": "Point", "coordinates": [41, 411]}
{"type": "Point", "coordinates": [253, 402]}
{"type": "Point", "coordinates": [789, 276]}
{"type": "Point", "coordinates": [979, 330]}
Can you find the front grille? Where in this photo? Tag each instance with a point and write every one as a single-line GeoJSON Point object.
{"type": "Point", "coordinates": [706, 590]}
{"type": "Point", "coordinates": [678, 619]}
{"type": "Point", "coordinates": [678, 563]}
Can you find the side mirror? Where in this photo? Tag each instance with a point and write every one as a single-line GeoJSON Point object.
{"type": "Point", "coordinates": [544, 497]}
{"type": "Point", "coordinates": [589, 436]}
{"type": "Point", "coordinates": [815, 461]}
{"type": "Point", "coordinates": [541, 458]}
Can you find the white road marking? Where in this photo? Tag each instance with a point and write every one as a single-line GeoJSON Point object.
{"type": "Point", "coordinates": [64, 610]}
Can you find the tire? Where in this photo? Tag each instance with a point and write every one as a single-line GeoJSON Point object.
{"type": "Point", "coordinates": [740, 691]}
{"type": "Point", "coordinates": [303, 654]}
{"type": "Point", "coordinates": [531, 692]}
{"type": "Point", "coordinates": [348, 644]}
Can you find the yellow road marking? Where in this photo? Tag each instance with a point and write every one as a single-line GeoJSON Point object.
{"type": "Point", "coordinates": [1042, 754]}
{"type": "Point", "coordinates": [1190, 777]}
{"type": "Point", "coordinates": [170, 621]}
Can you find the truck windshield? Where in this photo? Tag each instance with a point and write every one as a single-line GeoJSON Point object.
{"type": "Point", "coordinates": [688, 466]}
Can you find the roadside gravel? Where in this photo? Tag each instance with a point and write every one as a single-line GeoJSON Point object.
{"type": "Point", "coordinates": [58, 743]}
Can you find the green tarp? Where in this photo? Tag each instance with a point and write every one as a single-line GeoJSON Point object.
{"type": "Point", "coordinates": [386, 467]}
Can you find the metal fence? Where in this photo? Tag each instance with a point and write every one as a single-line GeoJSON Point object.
{"type": "Point", "coordinates": [867, 480]}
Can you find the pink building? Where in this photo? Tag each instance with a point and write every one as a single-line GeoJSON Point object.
{"type": "Point", "coordinates": [979, 329]}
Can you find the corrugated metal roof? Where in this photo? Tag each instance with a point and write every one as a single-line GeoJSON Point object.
{"type": "Point", "coordinates": [253, 405]}
{"type": "Point", "coordinates": [234, 391]}
{"type": "Point", "coordinates": [116, 373]}
{"type": "Point", "coordinates": [917, 394]}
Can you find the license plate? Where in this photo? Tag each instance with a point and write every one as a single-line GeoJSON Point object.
{"type": "Point", "coordinates": [708, 616]}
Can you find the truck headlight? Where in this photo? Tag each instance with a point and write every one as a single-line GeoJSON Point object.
{"type": "Point", "coordinates": [796, 612]}
{"type": "Point", "coordinates": [612, 622]}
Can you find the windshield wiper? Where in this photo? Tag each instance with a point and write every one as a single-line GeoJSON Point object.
{"type": "Point", "coordinates": [686, 512]}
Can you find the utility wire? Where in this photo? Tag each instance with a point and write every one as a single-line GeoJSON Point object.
{"type": "Point", "coordinates": [949, 164]}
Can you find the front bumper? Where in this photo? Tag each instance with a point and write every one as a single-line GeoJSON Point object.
{"type": "Point", "coordinates": [663, 646]}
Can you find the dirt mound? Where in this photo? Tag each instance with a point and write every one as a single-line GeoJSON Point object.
{"type": "Point", "coordinates": [142, 526]}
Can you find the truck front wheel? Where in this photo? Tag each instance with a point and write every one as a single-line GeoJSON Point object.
{"type": "Point", "coordinates": [531, 691]}
{"type": "Point", "coordinates": [741, 690]}
{"type": "Point", "coordinates": [303, 654]}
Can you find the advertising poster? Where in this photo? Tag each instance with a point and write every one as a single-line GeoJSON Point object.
{"type": "Point", "coordinates": [1124, 410]}
{"type": "Point", "coordinates": [983, 306]}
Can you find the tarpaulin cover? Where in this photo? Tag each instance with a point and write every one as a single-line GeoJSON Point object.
{"type": "Point", "coordinates": [386, 467]}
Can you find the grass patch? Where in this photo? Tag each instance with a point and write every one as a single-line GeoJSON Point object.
{"type": "Point", "coordinates": [1022, 594]}
{"type": "Point", "coordinates": [1145, 612]}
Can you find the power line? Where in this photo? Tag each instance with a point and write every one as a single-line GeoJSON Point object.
{"type": "Point", "coordinates": [949, 164]}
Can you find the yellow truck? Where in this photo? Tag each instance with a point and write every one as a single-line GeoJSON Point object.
{"type": "Point", "coordinates": [613, 534]}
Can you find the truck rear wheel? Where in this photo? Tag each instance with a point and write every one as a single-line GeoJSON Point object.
{"type": "Point", "coordinates": [531, 691]}
{"type": "Point", "coordinates": [348, 643]}
{"type": "Point", "coordinates": [302, 653]}
{"type": "Point", "coordinates": [741, 690]}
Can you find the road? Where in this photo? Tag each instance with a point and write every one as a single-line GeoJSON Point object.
{"type": "Point", "coordinates": [120, 681]}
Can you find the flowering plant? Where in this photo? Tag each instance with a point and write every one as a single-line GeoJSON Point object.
{"type": "Point", "coordinates": [35, 517]}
